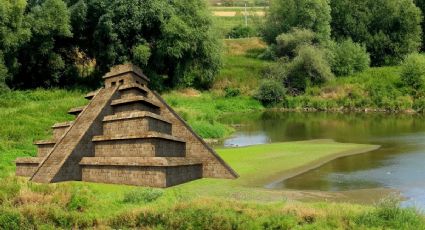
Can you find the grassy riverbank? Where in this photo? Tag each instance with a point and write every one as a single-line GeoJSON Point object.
{"type": "Point", "coordinates": [375, 89]}
{"type": "Point", "coordinates": [206, 203]}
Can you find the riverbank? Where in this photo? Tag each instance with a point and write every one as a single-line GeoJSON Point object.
{"type": "Point", "coordinates": [81, 204]}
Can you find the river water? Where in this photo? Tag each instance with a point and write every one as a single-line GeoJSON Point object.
{"type": "Point", "coordinates": [398, 164]}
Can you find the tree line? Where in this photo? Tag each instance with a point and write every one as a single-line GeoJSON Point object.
{"type": "Point", "coordinates": [314, 41]}
{"type": "Point", "coordinates": [48, 43]}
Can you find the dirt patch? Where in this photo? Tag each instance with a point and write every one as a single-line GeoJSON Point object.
{"type": "Point", "coordinates": [236, 13]}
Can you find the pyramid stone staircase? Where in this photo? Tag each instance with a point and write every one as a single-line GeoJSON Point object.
{"type": "Point", "coordinates": [127, 134]}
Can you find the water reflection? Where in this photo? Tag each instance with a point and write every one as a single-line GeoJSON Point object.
{"type": "Point", "coordinates": [398, 164]}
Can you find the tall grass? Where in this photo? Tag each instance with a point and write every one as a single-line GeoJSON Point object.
{"type": "Point", "coordinates": [26, 116]}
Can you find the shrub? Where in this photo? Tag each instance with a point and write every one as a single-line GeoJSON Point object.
{"type": "Point", "coordinates": [287, 43]}
{"type": "Point", "coordinates": [80, 199]}
{"type": "Point", "coordinates": [285, 15]}
{"type": "Point", "coordinates": [142, 195]}
{"type": "Point", "coordinates": [241, 31]}
{"type": "Point", "coordinates": [389, 214]}
{"type": "Point", "coordinates": [413, 73]}
{"type": "Point", "coordinates": [348, 58]}
{"type": "Point", "coordinates": [309, 66]}
{"type": "Point", "coordinates": [270, 93]}
{"type": "Point", "coordinates": [231, 92]}
{"type": "Point", "coordinates": [9, 220]}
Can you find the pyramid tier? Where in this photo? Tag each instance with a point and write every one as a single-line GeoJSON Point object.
{"type": "Point", "coordinates": [136, 103]}
{"type": "Point", "coordinates": [135, 123]}
{"type": "Point", "coordinates": [44, 147]}
{"type": "Point", "coordinates": [26, 166]}
{"type": "Point", "coordinates": [143, 171]}
{"type": "Point", "coordinates": [59, 129]}
{"type": "Point", "coordinates": [77, 110]}
{"type": "Point", "coordinates": [132, 90]}
{"type": "Point", "coordinates": [149, 144]}
{"type": "Point", "coordinates": [90, 95]}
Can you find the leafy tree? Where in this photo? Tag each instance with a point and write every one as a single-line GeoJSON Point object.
{"type": "Point", "coordinates": [347, 57]}
{"type": "Point", "coordinates": [421, 5]}
{"type": "Point", "coordinates": [287, 43]}
{"type": "Point", "coordinates": [171, 39]}
{"type": "Point", "coordinates": [390, 29]}
{"type": "Point", "coordinates": [14, 31]}
{"type": "Point", "coordinates": [270, 93]}
{"type": "Point", "coordinates": [309, 14]}
{"type": "Point", "coordinates": [40, 61]}
{"type": "Point", "coordinates": [413, 73]}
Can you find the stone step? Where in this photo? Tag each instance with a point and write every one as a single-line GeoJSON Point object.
{"type": "Point", "coordinates": [59, 129]}
{"type": "Point", "coordinates": [26, 166]}
{"type": "Point", "coordinates": [91, 94]}
{"type": "Point", "coordinates": [132, 90]}
{"type": "Point", "coordinates": [62, 162]}
{"type": "Point", "coordinates": [149, 144]}
{"type": "Point", "coordinates": [44, 147]}
{"type": "Point", "coordinates": [135, 123]}
{"type": "Point", "coordinates": [137, 103]}
{"type": "Point", "coordinates": [141, 171]}
{"type": "Point", "coordinates": [77, 110]}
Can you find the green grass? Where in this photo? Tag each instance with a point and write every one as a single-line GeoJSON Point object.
{"type": "Point", "coordinates": [208, 203]}
{"type": "Point", "coordinates": [203, 111]}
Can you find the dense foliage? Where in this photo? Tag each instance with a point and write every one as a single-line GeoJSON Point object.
{"type": "Point", "coordinates": [270, 93]}
{"type": "Point", "coordinates": [347, 57]}
{"type": "Point", "coordinates": [390, 29]}
{"type": "Point", "coordinates": [413, 74]}
{"type": "Point", "coordinates": [283, 16]}
{"type": "Point", "coordinates": [51, 42]}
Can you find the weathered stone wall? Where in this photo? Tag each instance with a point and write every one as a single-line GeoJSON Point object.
{"type": "Point", "coordinates": [130, 175]}
{"type": "Point", "coordinates": [25, 169]}
{"type": "Point", "coordinates": [134, 107]}
{"type": "Point", "coordinates": [135, 126]}
{"type": "Point", "coordinates": [62, 163]}
{"type": "Point", "coordinates": [148, 147]}
{"type": "Point", "coordinates": [43, 150]}
{"type": "Point", "coordinates": [213, 165]}
{"type": "Point", "coordinates": [180, 174]}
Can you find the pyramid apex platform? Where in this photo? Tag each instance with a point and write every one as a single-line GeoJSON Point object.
{"type": "Point", "coordinates": [125, 74]}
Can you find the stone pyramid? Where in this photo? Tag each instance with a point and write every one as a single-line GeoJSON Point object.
{"type": "Point", "coordinates": [126, 134]}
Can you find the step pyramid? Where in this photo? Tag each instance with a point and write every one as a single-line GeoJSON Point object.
{"type": "Point", "coordinates": [126, 134]}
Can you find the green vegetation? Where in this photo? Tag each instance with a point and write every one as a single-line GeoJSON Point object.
{"type": "Point", "coordinates": [58, 43]}
{"type": "Point", "coordinates": [378, 25]}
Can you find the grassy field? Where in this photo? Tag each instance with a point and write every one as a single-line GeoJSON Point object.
{"type": "Point", "coordinates": [206, 203]}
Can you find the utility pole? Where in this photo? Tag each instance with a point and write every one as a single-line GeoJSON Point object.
{"type": "Point", "coordinates": [246, 17]}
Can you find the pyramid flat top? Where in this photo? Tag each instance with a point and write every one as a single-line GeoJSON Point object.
{"type": "Point", "coordinates": [125, 68]}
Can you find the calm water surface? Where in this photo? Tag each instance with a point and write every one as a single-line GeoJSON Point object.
{"type": "Point", "coordinates": [398, 164]}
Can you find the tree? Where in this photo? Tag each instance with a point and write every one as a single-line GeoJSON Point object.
{"type": "Point", "coordinates": [314, 15]}
{"type": "Point", "coordinates": [171, 40]}
{"type": "Point", "coordinates": [347, 57]}
{"type": "Point", "coordinates": [390, 29]}
{"type": "Point", "coordinates": [413, 73]}
{"type": "Point", "coordinates": [40, 61]}
{"type": "Point", "coordinates": [14, 31]}
{"type": "Point", "coordinates": [421, 5]}
{"type": "Point", "coordinates": [288, 43]}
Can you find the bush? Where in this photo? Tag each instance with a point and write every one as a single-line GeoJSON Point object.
{"type": "Point", "coordinates": [231, 92]}
{"type": "Point", "coordinates": [80, 199]}
{"type": "Point", "coordinates": [389, 214]}
{"type": "Point", "coordinates": [287, 43]}
{"type": "Point", "coordinates": [285, 15]}
{"type": "Point", "coordinates": [308, 67]}
{"type": "Point", "coordinates": [413, 73]}
{"type": "Point", "coordinates": [142, 195]}
{"type": "Point", "coordinates": [348, 57]}
{"type": "Point", "coordinates": [270, 93]}
{"type": "Point", "coordinates": [241, 31]}
{"type": "Point", "coordinates": [9, 220]}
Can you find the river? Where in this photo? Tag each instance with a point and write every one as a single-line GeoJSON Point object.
{"type": "Point", "coordinates": [399, 163]}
